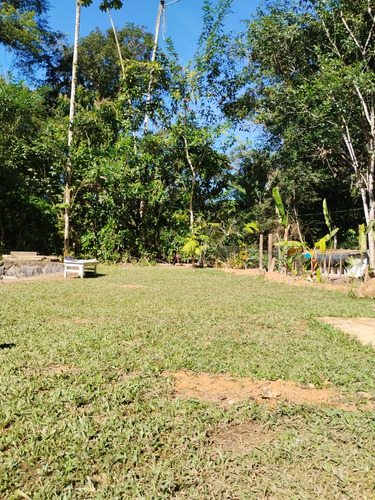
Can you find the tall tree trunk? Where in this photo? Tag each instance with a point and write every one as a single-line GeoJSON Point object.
{"type": "Point", "coordinates": [162, 6]}
{"type": "Point", "coordinates": [371, 202]}
{"type": "Point", "coordinates": [117, 43]}
{"type": "Point", "coordinates": [68, 176]}
{"type": "Point", "coordinates": [365, 181]}
{"type": "Point", "coordinates": [364, 168]}
{"type": "Point", "coordinates": [153, 57]}
{"type": "Point", "coordinates": [193, 182]}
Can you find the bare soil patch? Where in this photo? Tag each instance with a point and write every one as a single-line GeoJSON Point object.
{"type": "Point", "coordinates": [243, 438]}
{"type": "Point", "coordinates": [34, 279]}
{"type": "Point", "coordinates": [58, 369]}
{"type": "Point", "coordinates": [289, 280]}
{"type": "Point", "coordinates": [362, 328]}
{"type": "Point", "coordinates": [227, 390]}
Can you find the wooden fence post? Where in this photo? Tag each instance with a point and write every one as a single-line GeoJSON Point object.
{"type": "Point", "coordinates": [270, 249]}
{"type": "Point", "coordinates": [261, 251]}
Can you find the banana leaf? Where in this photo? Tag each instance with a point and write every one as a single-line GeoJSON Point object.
{"type": "Point", "coordinates": [362, 238]}
{"type": "Point", "coordinates": [280, 207]}
{"type": "Point", "coordinates": [290, 244]}
{"type": "Point", "coordinates": [326, 215]}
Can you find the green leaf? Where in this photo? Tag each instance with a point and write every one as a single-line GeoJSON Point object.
{"type": "Point", "coordinates": [290, 244]}
{"type": "Point", "coordinates": [362, 237]}
{"type": "Point", "coordinates": [251, 227]}
{"type": "Point", "coordinates": [280, 207]}
{"type": "Point", "coordinates": [326, 215]}
{"type": "Point", "coordinates": [191, 247]}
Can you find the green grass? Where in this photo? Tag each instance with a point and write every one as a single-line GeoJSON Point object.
{"type": "Point", "coordinates": [108, 425]}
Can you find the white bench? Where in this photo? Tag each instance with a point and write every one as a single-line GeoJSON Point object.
{"type": "Point", "coordinates": [79, 266]}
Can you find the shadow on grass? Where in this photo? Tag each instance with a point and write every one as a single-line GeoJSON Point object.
{"type": "Point", "coordinates": [7, 346]}
{"type": "Point", "coordinates": [93, 276]}
{"type": "Point", "coordinates": [88, 276]}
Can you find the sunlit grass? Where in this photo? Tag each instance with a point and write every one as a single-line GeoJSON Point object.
{"type": "Point", "coordinates": [85, 414]}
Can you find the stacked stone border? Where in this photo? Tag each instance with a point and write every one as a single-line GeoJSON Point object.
{"type": "Point", "coordinates": [27, 264]}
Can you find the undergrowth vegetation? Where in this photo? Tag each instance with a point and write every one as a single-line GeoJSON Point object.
{"type": "Point", "coordinates": [85, 412]}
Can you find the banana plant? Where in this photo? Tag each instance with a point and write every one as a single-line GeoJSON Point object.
{"type": "Point", "coordinates": [283, 219]}
{"type": "Point", "coordinates": [199, 242]}
{"type": "Point", "coordinates": [322, 244]}
{"type": "Point", "coordinates": [326, 214]}
{"type": "Point", "coordinates": [301, 246]}
{"type": "Point", "coordinates": [362, 237]}
{"type": "Point", "coordinates": [192, 249]}
{"type": "Point", "coordinates": [280, 211]}
{"type": "Point", "coordinates": [292, 250]}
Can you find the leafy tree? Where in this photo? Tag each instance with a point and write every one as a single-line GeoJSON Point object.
{"type": "Point", "coordinates": [105, 5]}
{"type": "Point", "coordinates": [129, 192]}
{"type": "Point", "coordinates": [99, 70]}
{"type": "Point", "coordinates": [310, 83]}
{"type": "Point", "coordinates": [24, 30]}
{"type": "Point", "coordinates": [30, 170]}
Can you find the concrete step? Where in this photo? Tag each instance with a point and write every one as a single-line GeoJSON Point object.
{"type": "Point", "coordinates": [23, 255]}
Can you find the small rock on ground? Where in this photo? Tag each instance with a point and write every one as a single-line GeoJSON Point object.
{"type": "Point", "coordinates": [367, 289]}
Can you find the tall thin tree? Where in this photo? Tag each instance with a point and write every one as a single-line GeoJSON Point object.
{"type": "Point", "coordinates": [161, 8]}
{"type": "Point", "coordinates": [68, 174]}
{"type": "Point", "coordinates": [104, 6]}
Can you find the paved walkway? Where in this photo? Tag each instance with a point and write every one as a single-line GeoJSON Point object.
{"type": "Point", "coordinates": [362, 328]}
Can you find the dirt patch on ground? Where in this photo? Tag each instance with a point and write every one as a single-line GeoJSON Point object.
{"type": "Point", "coordinates": [362, 328]}
{"type": "Point", "coordinates": [289, 280]}
{"type": "Point", "coordinates": [34, 279]}
{"type": "Point", "coordinates": [227, 390]}
{"type": "Point", "coordinates": [58, 369]}
{"type": "Point", "coordinates": [243, 438]}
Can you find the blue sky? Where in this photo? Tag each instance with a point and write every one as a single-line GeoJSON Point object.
{"type": "Point", "coordinates": [183, 23]}
{"type": "Point", "coordinates": [183, 19]}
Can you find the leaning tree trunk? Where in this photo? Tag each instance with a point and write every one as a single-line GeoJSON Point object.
{"type": "Point", "coordinates": [68, 174]}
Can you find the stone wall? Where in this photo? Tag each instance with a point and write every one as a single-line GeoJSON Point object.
{"type": "Point", "coordinates": [25, 269]}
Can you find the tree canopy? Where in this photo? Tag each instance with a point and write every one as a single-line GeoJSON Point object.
{"type": "Point", "coordinates": [303, 72]}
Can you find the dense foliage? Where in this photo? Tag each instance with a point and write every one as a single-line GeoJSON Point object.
{"type": "Point", "coordinates": [302, 71]}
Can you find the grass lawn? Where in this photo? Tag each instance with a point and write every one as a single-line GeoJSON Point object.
{"type": "Point", "coordinates": [85, 412]}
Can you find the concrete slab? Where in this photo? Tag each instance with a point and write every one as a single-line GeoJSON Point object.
{"type": "Point", "coordinates": [23, 255]}
{"type": "Point", "coordinates": [362, 328]}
